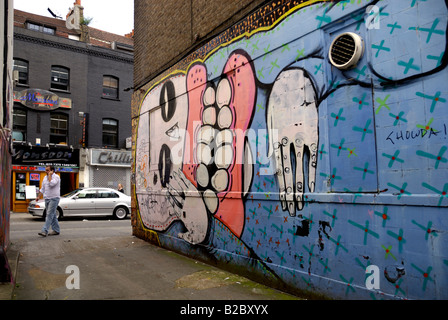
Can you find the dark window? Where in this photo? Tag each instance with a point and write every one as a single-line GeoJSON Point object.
{"type": "Point", "coordinates": [32, 26]}
{"type": "Point", "coordinates": [107, 194]}
{"type": "Point", "coordinates": [47, 30]}
{"type": "Point", "coordinates": [59, 129]}
{"type": "Point", "coordinates": [87, 194]}
{"type": "Point", "coordinates": [110, 133]}
{"type": "Point", "coordinates": [18, 124]}
{"type": "Point", "coordinates": [110, 87]}
{"type": "Point", "coordinates": [60, 78]}
{"type": "Point", "coordinates": [22, 67]}
{"type": "Point", "coordinates": [40, 28]}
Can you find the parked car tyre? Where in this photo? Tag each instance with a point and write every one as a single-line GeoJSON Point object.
{"type": "Point", "coordinates": [120, 213]}
{"type": "Point", "coordinates": [59, 214]}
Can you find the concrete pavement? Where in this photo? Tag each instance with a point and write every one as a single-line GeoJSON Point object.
{"type": "Point", "coordinates": [119, 268]}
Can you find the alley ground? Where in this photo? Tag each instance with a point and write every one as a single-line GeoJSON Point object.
{"type": "Point", "coordinates": [113, 264]}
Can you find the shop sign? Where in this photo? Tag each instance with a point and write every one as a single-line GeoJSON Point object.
{"type": "Point", "coordinates": [27, 168]}
{"type": "Point", "coordinates": [43, 156]}
{"type": "Point", "coordinates": [41, 100]}
{"type": "Point", "coordinates": [34, 177]}
{"type": "Point", "coordinates": [111, 158]}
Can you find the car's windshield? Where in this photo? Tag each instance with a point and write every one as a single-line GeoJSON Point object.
{"type": "Point", "coordinates": [71, 193]}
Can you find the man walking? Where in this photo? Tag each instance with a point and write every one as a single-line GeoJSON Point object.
{"type": "Point", "coordinates": [50, 190]}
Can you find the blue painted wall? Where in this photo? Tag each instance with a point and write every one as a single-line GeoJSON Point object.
{"type": "Point", "coordinates": [340, 170]}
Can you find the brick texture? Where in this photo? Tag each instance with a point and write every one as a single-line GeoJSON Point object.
{"type": "Point", "coordinates": [166, 31]}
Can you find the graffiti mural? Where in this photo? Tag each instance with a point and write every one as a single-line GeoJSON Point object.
{"type": "Point", "coordinates": [257, 152]}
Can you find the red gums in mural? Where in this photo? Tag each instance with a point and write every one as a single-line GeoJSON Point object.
{"type": "Point", "coordinates": [215, 164]}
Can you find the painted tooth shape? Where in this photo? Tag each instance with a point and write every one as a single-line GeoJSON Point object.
{"type": "Point", "coordinates": [223, 93]}
{"type": "Point", "coordinates": [205, 134]}
{"type": "Point", "coordinates": [209, 116]}
{"type": "Point", "coordinates": [202, 176]}
{"type": "Point", "coordinates": [225, 117]}
{"type": "Point", "coordinates": [209, 96]}
{"type": "Point", "coordinates": [204, 153]}
{"type": "Point", "coordinates": [220, 180]}
{"type": "Point", "coordinates": [224, 156]}
{"type": "Point", "coordinates": [211, 200]}
{"type": "Point", "coordinates": [224, 137]}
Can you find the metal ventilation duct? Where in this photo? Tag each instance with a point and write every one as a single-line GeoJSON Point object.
{"type": "Point", "coordinates": [346, 50]}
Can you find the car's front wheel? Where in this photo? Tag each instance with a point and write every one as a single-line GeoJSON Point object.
{"type": "Point", "coordinates": [120, 213]}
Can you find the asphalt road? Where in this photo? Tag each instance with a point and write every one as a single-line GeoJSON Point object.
{"type": "Point", "coordinates": [24, 227]}
{"type": "Point", "coordinates": [100, 259]}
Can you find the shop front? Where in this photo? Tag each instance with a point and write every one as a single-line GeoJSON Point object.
{"type": "Point", "coordinates": [28, 169]}
{"type": "Point", "coordinates": [108, 168]}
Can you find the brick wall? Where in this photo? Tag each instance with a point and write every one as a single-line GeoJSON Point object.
{"type": "Point", "coordinates": [168, 30]}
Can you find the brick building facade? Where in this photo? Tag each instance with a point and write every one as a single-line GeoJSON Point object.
{"type": "Point", "coordinates": [71, 101]}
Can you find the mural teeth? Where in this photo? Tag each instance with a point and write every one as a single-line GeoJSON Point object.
{"type": "Point", "coordinates": [202, 175]}
{"type": "Point", "coordinates": [225, 117]}
{"type": "Point", "coordinates": [220, 180]}
{"type": "Point", "coordinates": [224, 137]}
{"type": "Point", "coordinates": [224, 156]}
{"type": "Point", "coordinates": [209, 96]}
{"type": "Point", "coordinates": [204, 153]}
{"type": "Point", "coordinates": [209, 116]}
{"type": "Point", "coordinates": [210, 200]}
{"type": "Point", "coordinates": [205, 134]}
{"type": "Point", "coordinates": [223, 93]}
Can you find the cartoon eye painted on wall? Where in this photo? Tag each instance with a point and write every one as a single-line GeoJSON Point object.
{"type": "Point", "coordinates": [165, 165]}
{"type": "Point", "coordinates": [168, 101]}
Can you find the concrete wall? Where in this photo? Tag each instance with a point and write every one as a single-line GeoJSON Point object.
{"type": "Point", "coordinates": [254, 153]}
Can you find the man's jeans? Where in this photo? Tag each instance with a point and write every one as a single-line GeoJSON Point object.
{"type": "Point", "coordinates": [51, 220]}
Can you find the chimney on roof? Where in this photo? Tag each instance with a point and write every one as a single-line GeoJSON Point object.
{"type": "Point", "coordinates": [74, 17]}
{"type": "Point", "coordinates": [75, 21]}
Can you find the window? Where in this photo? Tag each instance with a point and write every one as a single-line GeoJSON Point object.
{"type": "Point", "coordinates": [60, 78]}
{"type": "Point", "coordinates": [110, 87]}
{"type": "Point", "coordinates": [18, 124]}
{"type": "Point", "coordinates": [32, 26]}
{"type": "Point", "coordinates": [58, 129]}
{"type": "Point", "coordinates": [87, 194]}
{"type": "Point", "coordinates": [20, 186]}
{"type": "Point", "coordinates": [107, 194]}
{"type": "Point", "coordinates": [40, 28]}
{"type": "Point", "coordinates": [47, 30]}
{"type": "Point", "coordinates": [22, 67]}
{"type": "Point", "coordinates": [110, 133]}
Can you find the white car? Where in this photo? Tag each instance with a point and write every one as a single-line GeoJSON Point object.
{"type": "Point", "coordinates": [87, 202]}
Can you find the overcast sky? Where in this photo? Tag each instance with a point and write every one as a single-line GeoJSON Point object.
{"type": "Point", "coordinates": [116, 16]}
